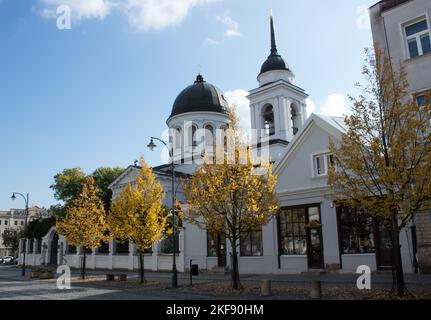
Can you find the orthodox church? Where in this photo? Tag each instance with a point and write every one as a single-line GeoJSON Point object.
{"type": "Point", "coordinates": [309, 234]}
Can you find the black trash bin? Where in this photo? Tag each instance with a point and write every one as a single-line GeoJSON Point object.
{"type": "Point", "coordinates": [195, 270]}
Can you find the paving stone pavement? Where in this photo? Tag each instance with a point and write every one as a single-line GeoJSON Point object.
{"type": "Point", "coordinates": [15, 287]}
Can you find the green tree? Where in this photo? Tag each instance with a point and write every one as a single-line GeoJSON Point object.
{"type": "Point", "coordinates": [383, 163]}
{"type": "Point", "coordinates": [37, 229]}
{"type": "Point", "coordinates": [11, 239]}
{"type": "Point", "coordinates": [68, 185]}
{"type": "Point", "coordinates": [103, 177]}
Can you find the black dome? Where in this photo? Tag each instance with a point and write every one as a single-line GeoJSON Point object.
{"type": "Point", "coordinates": [200, 96]}
{"type": "Point", "coordinates": [274, 62]}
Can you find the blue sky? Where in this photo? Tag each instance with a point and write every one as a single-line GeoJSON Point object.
{"type": "Point", "coordinates": [92, 96]}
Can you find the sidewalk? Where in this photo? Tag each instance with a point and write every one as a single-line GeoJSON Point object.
{"type": "Point", "coordinates": [184, 278]}
{"type": "Point", "coordinates": [205, 286]}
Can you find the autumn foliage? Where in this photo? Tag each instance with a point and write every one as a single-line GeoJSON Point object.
{"type": "Point", "coordinates": [138, 213]}
{"type": "Point", "coordinates": [231, 197]}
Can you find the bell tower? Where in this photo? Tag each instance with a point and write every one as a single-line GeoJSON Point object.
{"type": "Point", "coordinates": [277, 106]}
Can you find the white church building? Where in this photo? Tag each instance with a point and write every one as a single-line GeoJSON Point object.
{"type": "Point", "coordinates": [337, 238]}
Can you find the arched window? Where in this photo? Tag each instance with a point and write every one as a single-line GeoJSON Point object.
{"type": "Point", "coordinates": [209, 140]}
{"type": "Point", "coordinates": [294, 118]}
{"type": "Point", "coordinates": [209, 135]}
{"type": "Point", "coordinates": [268, 120]}
{"type": "Point", "coordinates": [194, 138]}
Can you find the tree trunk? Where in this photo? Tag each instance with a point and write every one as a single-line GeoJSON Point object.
{"type": "Point", "coordinates": [141, 268]}
{"type": "Point", "coordinates": [83, 266]}
{"type": "Point", "coordinates": [399, 273]}
{"type": "Point", "coordinates": [235, 269]}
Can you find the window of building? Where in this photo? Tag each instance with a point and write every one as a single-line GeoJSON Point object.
{"type": "Point", "coordinates": [0, 222]}
{"type": "Point", "coordinates": [216, 243]}
{"type": "Point", "coordinates": [31, 246]}
{"type": "Point", "coordinates": [5, 222]}
{"type": "Point", "coordinates": [122, 247]}
{"type": "Point", "coordinates": [71, 249]}
{"type": "Point", "coordinates": [16, 223]}
{"type": "Point", "coordinates": [292, 232]}
{"type": "Point", "coordinates": [209, 136]}
{"type": "Point", "coordinates": [38, 245]}
{"type": "Point", "coordinates": [167, 245]}
{"type": "Point", "coordinates": [294, 119]}
{"type": "Point", "coordinates": [356, 231]}
{"type": "Point", "coordinates": [418, 38]}
{"type": "Point", "coordinates": [251, 243]}
{"type": "Point", "coordinates": [212, 249]}
{"type": "Point", "coordinates": [194, 136]}
{"type": "Point", "coordinates": [22, 223]}
{"type": "Point", "coordinates": [322, 163]}
{"type": "Point", "coordinates": [423, 98]}
{"type": "Point", "coordinates": [103, 248]}
{"type": "Point", "coordinates": [268, 118]}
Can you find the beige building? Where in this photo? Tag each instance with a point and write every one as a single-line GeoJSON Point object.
{"type": "Point", "coordinates": [403, 29]}
{"type": "Point", "coordinates": [15, 219]}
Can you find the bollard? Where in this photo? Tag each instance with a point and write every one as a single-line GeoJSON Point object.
{"type": "Point", "coordinates": [265, 288]}
{"type": "Point", "coordinates": [316, 289]}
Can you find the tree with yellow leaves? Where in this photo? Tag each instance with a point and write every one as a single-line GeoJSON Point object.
{"type": "Point", "coordinates": [382, 165]}
{"type": "Point", "coordinates": [84, 224]}
{"type": "Point", "coordinates": [138, 214]}
{"type": "Point", "coordinates": [232, 196]}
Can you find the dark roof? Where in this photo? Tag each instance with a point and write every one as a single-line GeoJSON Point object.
{"type": "Point", "coordinates": [274, 60]}
{"type": "Point", "coordinates": [200, 96]}
{"type": "Point", "coordinates": [389, 4]}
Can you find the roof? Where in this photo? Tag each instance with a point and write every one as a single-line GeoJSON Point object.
{"type": "Point", "coordinates": [200, 96]}
{"type": "Point", "coordinates": [158, 171]}
{"type": "Point", "coordinates": [389, 4]}
{"type": "Point", "coordinates": [335, 126]}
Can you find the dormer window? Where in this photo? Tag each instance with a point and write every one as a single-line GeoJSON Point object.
{"type": "Point", "coordinates": [268, 117]}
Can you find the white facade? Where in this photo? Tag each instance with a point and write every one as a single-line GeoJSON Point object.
{"type": "Point", "coordinates": [403, 30]}
{"type": "Point", "coordinates": [389, 25]}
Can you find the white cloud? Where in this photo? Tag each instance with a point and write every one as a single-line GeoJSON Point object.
{"type": "Point", "coordinates": [311, 107]}
{"type": "Point", "coordinates": [142, 14]}
{"type": "Point", "coordinates": [210, 41]}
{"type": "Point", "coordinates": [334, 105]}
{"type": "Point", "coordinates": [159, 14]}
{"type": "Point", "coordinates": [80, 9]}
{"type": "Point", "coordinates": [363, 17]}
{"type": "Point", "coordinates": [232, 27]}
{"type": "Point", "coordinates": [238, 99]}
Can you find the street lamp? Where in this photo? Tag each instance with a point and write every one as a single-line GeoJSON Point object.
{"type": "Point", "coordinates": [13, 197]}
{"type": "Point", "coordinates": [152, 146]}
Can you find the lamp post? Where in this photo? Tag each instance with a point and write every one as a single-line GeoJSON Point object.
{"type": "Point", "coordinates": [152, 146]}
{"type": "Point", "coordinates": [13, 197]}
